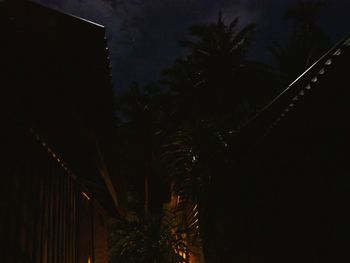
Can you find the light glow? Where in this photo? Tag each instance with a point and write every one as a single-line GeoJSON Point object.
{"type": "Point", "coordinates": [85, 195]}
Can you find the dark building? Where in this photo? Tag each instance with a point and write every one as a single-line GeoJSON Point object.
{"type": "Point", "coordinates": [301, 166]}
{"type": "Point", "coordinates": [57, 147]}
{"type": "Point", "coordinates": [287, 195]}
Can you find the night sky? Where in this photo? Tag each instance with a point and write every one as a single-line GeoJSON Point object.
{"type": "Point", "coordinates": [143, 34]}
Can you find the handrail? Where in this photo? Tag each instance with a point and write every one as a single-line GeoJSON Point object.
{"type": "Point", "coordinates": [292, 94]}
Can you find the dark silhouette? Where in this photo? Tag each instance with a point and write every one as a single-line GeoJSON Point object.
{"type": "Point", "coordinates": [307, 42]}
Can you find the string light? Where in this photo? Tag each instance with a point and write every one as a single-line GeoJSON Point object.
{"type": "Point", "coordinates": [347, 42]}
{"type": "Point", "coordinates": [321, 72]}
{"type": "Point", "coordinates": [337, 53]}
{"type": "Point", "coordinates": [59, 161]}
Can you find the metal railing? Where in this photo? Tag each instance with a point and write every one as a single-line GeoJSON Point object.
{"type": "Point", "coordinates": [274, 112]}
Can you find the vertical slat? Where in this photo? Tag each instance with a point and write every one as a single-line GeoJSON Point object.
{"type": "Point", "coordinates": [46, 233]}
{"type": "Point", "coordinates": [37, 207]}
{"type": "Point", "coordinates": [76, 226]}
{"type": "Point", "coordinates": [59, 214]}
{"type": "Point", "coordinates": [18, 217]}
{"type": "Point", "coordinates": [65, 228]}
{"type": "Point", "coordinates": [64, 209]}
{"type": "Point", "coordinates": [69, 222]}
{"type": "Point", "coordinates": [72, 246]}
{"type": "Point", "coordinates": [55, 216]}
{"type": "Point", "coordinates": [12, 214]}
{"type": "Point", "coordinates": [51, 220]}
{"type": "Point", "coordinates": [35, 219]}
{"type": "Point", "coordinates": [41, 217]}
{"type": "Point", "coordinates": [91, 208]}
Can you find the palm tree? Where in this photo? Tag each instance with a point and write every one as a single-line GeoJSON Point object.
{"type": "Point", "coordinates": [140, 132]}
{"type": "Point", "coordinates": [144, 235]}
{"type": "Point", "coordinates": [209, 91]}
{"type": "Point", "coordinates": [216, 82]}
{"type": "Point", "coordinates": [183, 135]}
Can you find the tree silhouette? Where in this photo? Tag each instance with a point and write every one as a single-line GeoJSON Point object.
{"type": "Point", "coordinates": [180, 132]}
{"type": "Point", "coordinates": [140, 134]}
{"type": "Point", "coordinates": [206, 80]}
{"type": "Point", "coordinates": [307, 42]}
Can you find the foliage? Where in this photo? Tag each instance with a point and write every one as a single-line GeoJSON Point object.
{"type": "Point", "coordinates": [179, 132]}
{"type": "Point", "coordinates": [206, 82]}
{"type": "Point", "coordinates": [140, 240]}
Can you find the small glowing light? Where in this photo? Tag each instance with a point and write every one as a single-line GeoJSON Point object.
{"type": "Point", "coordinates": [302, 93]}
{"type": "Point", "coordinates": [194, 158]}
{"type": "Point", "coordinates": [85, 195]}
{"type": "Point", "coordinates": [337, 53]}
{"type": "Point", "coordinates": [295, 98]}
{"type": "Point", "coordinates": [347, 42]}
{"type": "Point", "coordinates": [194, 208]}
{"type": "Point", "coordinates": [191, 224]}
{"type": "Point", "coordinates": [308, 87]}
{"type": "Point", "coordinates": [291, 105]}
{"type": "Point", "coordinates": [328, 62]}
{"type": "Point", "coordinates": [321, 72]}
{"type": "Point", "coordinates": [89, 260]}
{"type": "Point", "coordinates": [54, 155]}
{"type": "Point", "coordinates": [314, 79]}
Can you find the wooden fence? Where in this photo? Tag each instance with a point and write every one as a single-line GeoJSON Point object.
{"type": "Point", "coordinates": [46, 216]}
